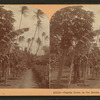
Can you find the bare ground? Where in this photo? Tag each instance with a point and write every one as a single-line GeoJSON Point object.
{"type": "Point", "coordinates": [90, 83]}
{"type": "Point", "coordinates": [27, 80]}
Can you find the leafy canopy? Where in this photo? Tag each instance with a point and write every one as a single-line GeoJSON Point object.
{"type": "Point", "coordinates": [70, 26]}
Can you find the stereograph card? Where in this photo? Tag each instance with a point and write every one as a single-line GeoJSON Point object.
{"type": "Point", "coordinates": [50, 49]}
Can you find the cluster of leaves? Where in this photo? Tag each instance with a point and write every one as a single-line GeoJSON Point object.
{"type": "Point", "coordinates": [9, 49]}
{"type": "Point", "coordinates": [71, 32]}
{"type": "Point", "coordinates": [6, 22]}
{"type": "Point", "coordinates": [71, 24]}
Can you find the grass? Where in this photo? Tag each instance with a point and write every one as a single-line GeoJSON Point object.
{"type": "Point", "coordinates": [90, 83]}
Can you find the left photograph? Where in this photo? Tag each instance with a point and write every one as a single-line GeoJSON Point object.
{"type": "Point", "coordinates": [24, 47]}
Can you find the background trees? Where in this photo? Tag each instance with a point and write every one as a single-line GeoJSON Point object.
{"type": "Point", "coordinates": [7, 20]}
{"type": "Point", "coordinates": [9, 50]}
{"type": "Point", "coordinates": [38, 15]}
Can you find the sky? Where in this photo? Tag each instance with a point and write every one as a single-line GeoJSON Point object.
{"type": "Point", "coordinates": [27, 21]}
{"type": "Point", "coordinates": [96, 25]}
{"type": "Point", "coordinates": [96, 10]}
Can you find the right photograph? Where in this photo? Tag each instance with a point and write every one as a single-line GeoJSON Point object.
{"type": "Point", "coordinates": [75, 47]}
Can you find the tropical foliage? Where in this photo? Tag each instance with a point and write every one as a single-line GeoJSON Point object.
{"type": "Point", "coordinates": [15, 58]}
{"type": "Point", "coordinates": [73, 46]}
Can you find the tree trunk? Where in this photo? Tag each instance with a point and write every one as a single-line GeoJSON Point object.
{"type": "Point", "coordinates": [89, 71]}
{"type": "Point", "coordinates": [76, 70]}
{"type": "Point", "coordinates": [3, 68]}
{"type": "Point", "coordinates": [85, 74]}
{"type": "Point", "coordinates": [5, 76]}
{"type": "Point", "coordinates": [42, 46]}
{"type": "Point", "coordinates": [93, 72]}
{"type": "Point", "coordinates": [20, 21]}
{"type": "Point", "coordinates": [27, 46]}
{"type": "Point", "coordinates": [37, 50]}
{"type": "Point", "coordinates": [60, 70]}
{"type": "Point", "coordinates": [76, 74]}
{"type": "Point", "coordinates": [45, 42]}
{"type": "Point", "coordinates": [19, 28]}
{"type": "Point", "coordinates": [33, 39]}
{"type": "Point", "coordinates": [71, 69]}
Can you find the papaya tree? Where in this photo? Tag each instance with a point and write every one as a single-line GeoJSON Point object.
{"type": "Point", "coordinates": [72, 28]}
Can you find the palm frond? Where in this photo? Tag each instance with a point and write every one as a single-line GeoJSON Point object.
{"type": "Point", "coordinates": [38, 41]}
{"type": "Point", "coordinates": [46, 37]}
{"type": "Point", "coordinates": [21, 38]}
{"type": "Point", "coordinates": [39, 14]}
{"type": "Point", "coordinates": [43, 34]}
{"type": "Point", "coordinates": [23, 9]}
{"type": "Point", "coordinates": [28, 40]}
{"type": "Point", "coordinates": [7, 38]}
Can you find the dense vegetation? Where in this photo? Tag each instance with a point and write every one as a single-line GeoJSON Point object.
{"type": "Point", "coordinates": [74, 50]}
{"type": "Point", "coordinates": [16, 59]}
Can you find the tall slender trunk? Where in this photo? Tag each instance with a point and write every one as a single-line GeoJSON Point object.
{"type": "Point", "coordinates": [71, 69]}
{"type": "Point", "coordinates": [85, 69]}
{"type": "Point", "coordinates": [38, 33]}
{"type": "Point", "coordinates": [33, 39]}
{"type": "Point", "coordinates": [19, 28]}
{"type": "Point", "coordinates": [42, 46]}
{"type": "Point", "coordinates": [5, 76]}
{"type": "Point", "coordinates": [93, 72]}
{"type": "Point", "coordinates": [60, 70]}
{"type": "Point", "coordinates": [76, 70]}
{"type": "Point", "coordinates": [45, 42]}
{"type": "Point", "coordinates": [37, 50]}
{"type": "Point", "coordinates": [3, 68]}
{"type": "Point", "coordinates": [20, 22]}
{"type": "Point", "coordinates": [85, 74]}
{"type": "Point", "coordinates": [39, 44]}
{"type": "Point", "coordinates": [27, 46]}
{"type": "Point", "coordinates": [89, 70]}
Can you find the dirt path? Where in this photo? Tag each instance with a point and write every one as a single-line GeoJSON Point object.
{"type": "Point", "coordinates": [28, 80]}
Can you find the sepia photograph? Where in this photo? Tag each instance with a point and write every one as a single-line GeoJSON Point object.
{"type": "Point", "coordinates": [24, 47]}
{"type": "Point", "coordinates": [75, 48]}
{"type": "Point", "coordinates": [52, 51]}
